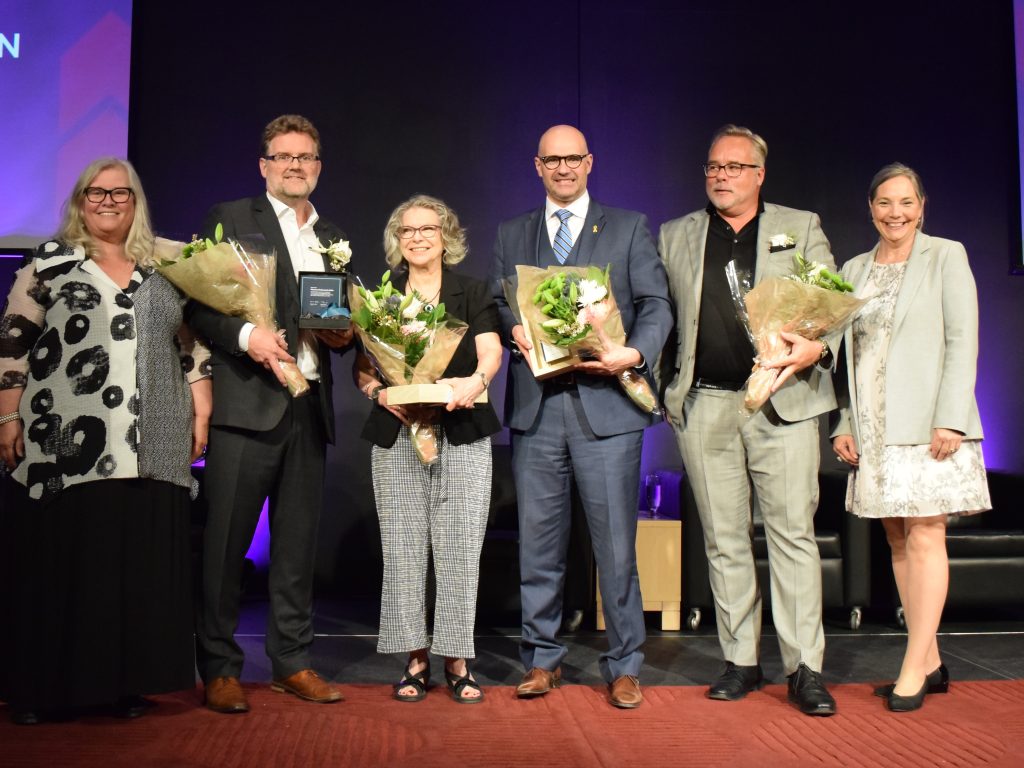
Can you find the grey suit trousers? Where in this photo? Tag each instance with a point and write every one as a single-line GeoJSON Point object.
{"type": "Point", "coordinates": [726, 455]}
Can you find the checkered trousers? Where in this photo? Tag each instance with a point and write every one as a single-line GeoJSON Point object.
{"type": "Point", "coordinates": [440, 508]}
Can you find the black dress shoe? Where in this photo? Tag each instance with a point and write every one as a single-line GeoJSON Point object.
{"type": "Point", "coordinates": [938, 682]}
{"type": "Point", "coordinates": [808, 693]}
{"type": "Point", "coordinates": [899, 703]}
{"type": "Point", "coordinates": [736, 682]}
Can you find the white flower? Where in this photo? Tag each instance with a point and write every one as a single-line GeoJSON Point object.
{"type": "Point", "coordinates": [414, 308]}
{"type": "Point", "coordinates": [413, 327]}
{"type": "Point", "coordinates": [591, 292]}
{"type": "Point", "coordinates": [781, 240]}
{"type": "Point", "coordinates": [339, 253]}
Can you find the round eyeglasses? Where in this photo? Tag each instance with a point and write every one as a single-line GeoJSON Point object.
{"type": "Point", "coordinates": [551, 162]}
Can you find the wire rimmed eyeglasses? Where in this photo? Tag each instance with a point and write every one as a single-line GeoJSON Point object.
{"type": "Point", "coordinates": [286, 159]}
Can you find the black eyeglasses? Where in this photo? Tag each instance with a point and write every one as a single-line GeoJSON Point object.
{"type": "Point", "coordinates": [732, 170]}
{"type": "Point", "coordinates": [99, 194]}
{"type": "Point", "coordinates": [286, 159]}
{"type": "Point", "coordinates": [428, 231]}
{"type": "Point", "coordinates": [551, 162]}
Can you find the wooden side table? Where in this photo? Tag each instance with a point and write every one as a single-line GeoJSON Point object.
{"type": "Point", "coordinates": [659, 547]}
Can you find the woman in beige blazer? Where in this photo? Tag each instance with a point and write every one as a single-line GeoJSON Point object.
{"type": "Point", "coordinates": [909, 425]}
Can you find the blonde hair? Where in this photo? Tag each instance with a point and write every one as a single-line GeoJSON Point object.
{"type": "Point", "coordinates": [760, 145]}
{"type": "Point", "coordinates": [453, 235]}
{"type": "Point", "coordinates": [139, 243]}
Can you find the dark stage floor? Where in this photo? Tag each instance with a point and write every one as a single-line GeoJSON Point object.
{"type": "Point", "coordinates": [974, 647]}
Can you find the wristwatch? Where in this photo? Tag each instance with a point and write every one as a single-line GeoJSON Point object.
{"type": "Point", "coordinates": [826, 353]}
{"type": "Point", "coordinates": [375, 393]}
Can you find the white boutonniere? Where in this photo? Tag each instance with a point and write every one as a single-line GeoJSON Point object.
{"type": "Point", "coordinates": [338, 253]}
{"type": "Point", "coordinates": [781, 242]}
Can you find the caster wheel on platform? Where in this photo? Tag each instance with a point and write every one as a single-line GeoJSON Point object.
{"type": "Point", "coordinates": [855, 617]}
{"type": "Point", "coordinates": [693, 620]}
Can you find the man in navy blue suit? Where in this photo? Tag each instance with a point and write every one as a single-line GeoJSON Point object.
{"type": "Point", "coordinates": [580, 425]}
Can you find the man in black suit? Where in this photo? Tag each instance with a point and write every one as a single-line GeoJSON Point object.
{"type": "Point", "coordinates": [264, 442]}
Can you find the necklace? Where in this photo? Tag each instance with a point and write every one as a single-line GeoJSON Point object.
{"type": "Point", "coordinates": [428, 304]}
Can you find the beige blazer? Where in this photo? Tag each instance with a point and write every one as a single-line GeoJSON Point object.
{"type": "Point", "coordinates": [932, 361]}
{"type": "Point", "coordinates": [681, 245]}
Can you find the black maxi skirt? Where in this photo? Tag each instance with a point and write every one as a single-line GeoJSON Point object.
{"type": "Point", "coordinates": [95, 594]}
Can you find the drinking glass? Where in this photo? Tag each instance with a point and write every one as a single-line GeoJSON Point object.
{"type": "Point", "coordinates": [652, 491]}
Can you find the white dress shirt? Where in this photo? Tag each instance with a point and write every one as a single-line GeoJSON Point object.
{"type": "Point", "coordinates": [578, 208]}
{"type": "Point", "coordinates": [300, 242]}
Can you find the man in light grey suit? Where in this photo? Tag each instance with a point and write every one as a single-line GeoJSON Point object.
{"type": "Point", "coordinates": [580, 424]}
{"type": "Point", "coordinates": [775, 451]}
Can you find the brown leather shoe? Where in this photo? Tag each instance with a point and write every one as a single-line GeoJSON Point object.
{"type": "Point", "coordinates": [625, 692]}
{"type": "Point", "coordinates": [537, 682]}
{"type": "Point", "coordinates": [225, 695]}
{"type": "Point", "coordinates": [308, 685]}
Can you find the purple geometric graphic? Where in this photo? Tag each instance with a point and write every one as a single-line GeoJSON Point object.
{"type": "Point", "coordinates": [68, 90]}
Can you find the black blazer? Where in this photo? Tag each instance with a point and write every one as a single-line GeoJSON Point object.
{"type": "Point", "coordinates": [469, 300]}
{"type": "Point", "coordinates": [244, 393]}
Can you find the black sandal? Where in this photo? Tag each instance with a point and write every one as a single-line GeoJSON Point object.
{"type": "Point", "coordinates": [458, 684]}
{"type": "Point", "coordinates": [418, 681]}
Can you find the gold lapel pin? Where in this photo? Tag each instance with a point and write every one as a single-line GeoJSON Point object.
{"type": "Point", "coordinates": [595, 229]}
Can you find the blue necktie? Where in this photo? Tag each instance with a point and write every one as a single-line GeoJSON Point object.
{"type": "Point", "coordinates": [563, 238]}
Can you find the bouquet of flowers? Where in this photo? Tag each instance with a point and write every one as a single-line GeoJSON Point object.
{"type": "Point", "coordinates": [229, 278]}
{"type": "Point", "coordinates": [574, 307]}
{"type": "Point", "coordinates": [408, 341]}
{"type": "Point", "coordinates": [812, 302]}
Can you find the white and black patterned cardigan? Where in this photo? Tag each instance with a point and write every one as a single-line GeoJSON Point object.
{"type": "Point", "coordinates": [106, 373]}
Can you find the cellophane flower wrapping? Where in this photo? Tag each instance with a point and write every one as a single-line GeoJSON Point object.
{"type": "Point", "coordinates": [779, 304]}
{"type": "Point", "coordinates": [575, 307]}
{"type": "Point", "coordinates": [408, 344]}
{"type": "Point", "coordinates": [232, 279]}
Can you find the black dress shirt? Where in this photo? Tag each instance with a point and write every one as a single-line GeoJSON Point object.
{"type": "Point", "coordinates": [724, 352]}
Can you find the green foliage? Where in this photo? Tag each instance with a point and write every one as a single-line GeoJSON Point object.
{"type": "Point", "coordinates": [812, 273]}
{"type": "Point", "coordinates": [397, 319]}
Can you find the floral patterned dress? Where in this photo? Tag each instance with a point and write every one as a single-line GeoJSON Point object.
{"type": "Point", "coordinates": [901, 480]}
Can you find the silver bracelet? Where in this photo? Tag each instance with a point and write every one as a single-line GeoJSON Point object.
{"type": "Point", "coordinates": [10, 417]}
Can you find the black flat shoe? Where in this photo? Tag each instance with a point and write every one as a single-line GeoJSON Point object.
{"type": "Point", "coordinates": [938, 682]}
{"type": "Point", "coordinates": [899, 703]}
{"type": "Point", "coordinates": [736, 682]}
{"type": "Point", "coordinates": [419, 681]}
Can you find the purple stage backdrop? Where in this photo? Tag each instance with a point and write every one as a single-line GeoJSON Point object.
{"type": "Point", "coordinates": [64, 71]}
{"type": "Point", "coordinates": [449, 99]}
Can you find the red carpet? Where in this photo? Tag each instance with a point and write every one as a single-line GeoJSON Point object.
{"type": "Point", "coordinates": [975, 724]}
